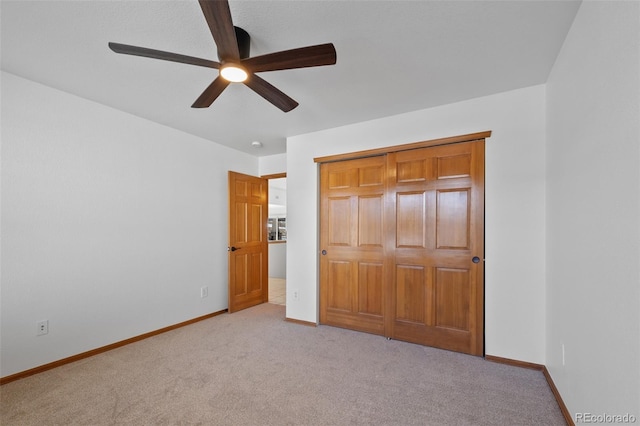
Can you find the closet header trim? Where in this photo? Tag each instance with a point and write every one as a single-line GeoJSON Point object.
{"type": "Point", "coordinates": [415, 145]}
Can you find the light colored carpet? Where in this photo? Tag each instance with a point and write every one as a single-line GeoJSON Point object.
{"type": "Point", "coordinates": [254, 368]}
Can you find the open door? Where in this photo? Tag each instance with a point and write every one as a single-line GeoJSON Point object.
{"type": "Point", "coordinates": [248, 249]}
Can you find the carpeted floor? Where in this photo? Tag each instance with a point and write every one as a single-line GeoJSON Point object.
{"type": "Point", "coordinates": [254, 368]}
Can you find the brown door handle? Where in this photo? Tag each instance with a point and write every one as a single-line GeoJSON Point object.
{"type": "Point", "coordinates": [232, 248]}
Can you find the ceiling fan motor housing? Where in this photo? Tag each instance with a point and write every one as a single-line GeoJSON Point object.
{"type": "Point", "coordinates": [244, 43]}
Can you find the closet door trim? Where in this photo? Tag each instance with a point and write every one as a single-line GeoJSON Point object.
{"type": "Point", "coordinates": [386, 150]}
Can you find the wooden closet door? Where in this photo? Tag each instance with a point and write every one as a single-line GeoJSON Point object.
{"type": "Point", "coordinates": [352, 258]}
{"type": "Point", "coordinates": [435, 295]}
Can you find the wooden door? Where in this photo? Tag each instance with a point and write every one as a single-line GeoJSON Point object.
{"type": "Point", "coordinates": [248, 249]}
{"type": "Point", "coordinates": [436, 292]}
{"type": "Point", "coordinates": [352, 258]}
{"type": "Point", "coordinates": [402, 245]}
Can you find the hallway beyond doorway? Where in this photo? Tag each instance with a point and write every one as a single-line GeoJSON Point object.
{"type": "Point", "coordinates": [277, 291]}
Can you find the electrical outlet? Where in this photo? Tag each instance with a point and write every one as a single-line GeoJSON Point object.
{"type": "Point", "coordinates": [43, 328]}
{"type": "Point", "coordinates": [204, 291]}
{"type": "Point", "coordinates": [296, 295]}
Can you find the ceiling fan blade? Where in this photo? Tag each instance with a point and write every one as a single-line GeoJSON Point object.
{"type": "Point", "coordinates": [270, 93]}
{"type": "Point", "coordinates": [159, 54]}
{"type": "Point", "coordinates": [310, 56]}
{"type": "Point", "coordinates": [211, 93]}
{"type": "Point", "coordinates": [218, 16]}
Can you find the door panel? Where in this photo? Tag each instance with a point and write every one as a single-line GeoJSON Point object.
{"type": "Point", "coordinates": [339, 212]}
{"type": "Point", "coordinates": [452, 219]}
{"type": "Point", "coordinates": [352, 237]}
{"type": "Point", "coordinates": [410, 306]}
{"type": "Point", "coordinates": [411, 219]}
{"type": "Point", "coordinates": [436, 298]}
{"type": "Point", "coordinates": [454, 166]}
{"type": "Point", "coordinates": [248, 281]}
{"type": "Point", "coordinates": [370, 286]}
{"type": "Point", "coordinates": [370, 229]}
{"type": "Point", "coordinates": [339, 289]}
{"type": "Point", "coordinates": [452, 295]}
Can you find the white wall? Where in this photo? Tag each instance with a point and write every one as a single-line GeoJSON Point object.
{"type": "Point", "coordinates": [273, 164]}
{"type": "Point", "coordinates": [515, 220]}
{"type": "Point", "coordinates": [270, 165]}
{"type": "Point", "coordinates": [278, 260]}
{"type": "Point", "coordinates": [277, 199]}
{"type": "Point", "coordinates": [110, 224]}
{"type": "Point", "coordinates": [593, 212]}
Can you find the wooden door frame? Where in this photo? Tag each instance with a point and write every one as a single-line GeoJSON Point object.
{"type": "Point", "coordinates": [274, 176]}
{"type": "Point", "coordinates": [266, 178]}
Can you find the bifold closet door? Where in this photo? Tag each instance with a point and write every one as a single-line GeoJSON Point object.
{"type": "Point", "coordinates": [352, 259]}
{"type": "Point", "coordinates": [436, 291]}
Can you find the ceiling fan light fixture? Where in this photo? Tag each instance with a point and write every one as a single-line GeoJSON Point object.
{"type": "Point", "coordinates": [234, 62]}
{"type": "Point", "coordinates": [233, 73]}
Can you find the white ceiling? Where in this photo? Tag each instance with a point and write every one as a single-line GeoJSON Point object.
{"type": "Point", "coordinates": [393, 57]}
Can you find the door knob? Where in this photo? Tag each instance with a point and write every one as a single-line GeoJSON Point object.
{"type": "Point", "coordinates": [475, 259]}
{"type": "Point", "coordinates": [233, 248]}
{"type": "Point", "coordinates": [324, 252]}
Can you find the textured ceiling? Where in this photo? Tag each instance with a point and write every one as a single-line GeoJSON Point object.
{"type": "Point", "coordinates": [393, 57]}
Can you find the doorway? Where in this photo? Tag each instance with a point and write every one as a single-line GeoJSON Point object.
{"type": "Point", "coordinates": [277, 236]}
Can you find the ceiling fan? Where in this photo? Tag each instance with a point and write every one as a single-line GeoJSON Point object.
{"type": "Point", "coordinates": [234, 64]}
